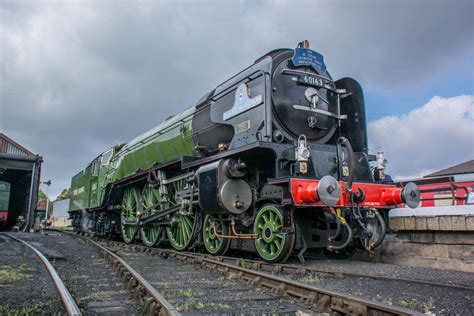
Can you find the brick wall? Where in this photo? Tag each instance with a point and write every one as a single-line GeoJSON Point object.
{"type": "Point", "coordinates": [443, 242]}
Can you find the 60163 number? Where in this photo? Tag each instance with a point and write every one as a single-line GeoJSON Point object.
{"type": "Point", "coordinates": [313, 81]}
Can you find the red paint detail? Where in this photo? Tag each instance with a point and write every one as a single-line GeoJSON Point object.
{"type": "Point", "coordinates": [304, 193]}
{"type": "Point", "coordinates": [454, 193]}
{"type": "Point", "coordinates": [5, 216]}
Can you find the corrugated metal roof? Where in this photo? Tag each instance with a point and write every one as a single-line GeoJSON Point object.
{"type": "Point", "coordinates": [463, 168]}
{"type": "Point", "coordinates": [9, 146]}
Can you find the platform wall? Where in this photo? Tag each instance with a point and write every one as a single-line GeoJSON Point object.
{"type": "Point", "coordinates": [433, 238]}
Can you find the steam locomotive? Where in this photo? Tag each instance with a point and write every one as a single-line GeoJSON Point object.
{"type": "Point", "coordinates": [274, 160]}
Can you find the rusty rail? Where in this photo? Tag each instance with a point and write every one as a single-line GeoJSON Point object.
{"type": "Point", "coordinates": [336, 302]}
{"type": "Point", "coordinates": [299, 270]}
{"type": "Point", "coordinates": [322, 298]}
{"type": "Point", "coordinates": [66, 297]}
{"type": "Point", "coordinates": [155, 303]}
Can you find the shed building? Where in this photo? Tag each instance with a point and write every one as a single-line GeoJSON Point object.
{"type": "Point", "coordinates": [21, 168]}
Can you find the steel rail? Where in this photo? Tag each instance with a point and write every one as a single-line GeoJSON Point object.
{"type": "Point", "coordinates": [337, 302]}
{"type": "Point", "coordinates": [155, 303]}
{"type": "Point", "coordinates": [68, 301]}
{"type": "Point", "coordinates": [298, 269]}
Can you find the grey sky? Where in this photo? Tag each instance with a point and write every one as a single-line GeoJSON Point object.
{"type": "Point", "coordinates": [78, 77]}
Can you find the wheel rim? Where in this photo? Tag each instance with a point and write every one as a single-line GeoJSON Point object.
{"type": "Point", "coordinates": [213, 243]}
{"type": "Point", "coordinates": [182, 230]}
{"type": "Point", "coordinates": [271, 240]}
{"type": "Point", "coordinates": [150, 233]}
{"type": "Point", "coordinates": [129, 214]}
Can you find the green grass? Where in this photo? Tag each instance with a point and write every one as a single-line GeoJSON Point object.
{"type": "Point", "coordinates": [427, 307]}
{"type": "Point", "coordinates": [35, 309]}
{"type": "Point", "coordinates": [188, 293]}
{"type": "Point", "coordinates": [309, 278]}
{"type": "Point", "coordinates": [408, 303]}
{"type": "Point", "coordinates": [9, 274]}
{"type": "Point", "coordinates": [91, 297]}
{"type": "Point", "coordinates": [196, 306]}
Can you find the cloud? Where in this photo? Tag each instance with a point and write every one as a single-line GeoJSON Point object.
{"type": "Point", "coordinates": [79, 77]}
{"type": "Point", "coordinates": [434, 136]}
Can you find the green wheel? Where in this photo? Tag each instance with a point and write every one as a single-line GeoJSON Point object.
{"type": "Point", "coordinates": [130, 203]}
{"type": "Point", "coordinates": [150, 233]}
{"type": "Point", "coordinates": [182, 231]}
{"type": "Point", "coordinates": [213, 244]}
{"type": "Point", "coordinates": [272, 244]}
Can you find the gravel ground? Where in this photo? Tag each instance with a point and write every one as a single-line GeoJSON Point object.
{"type": "Point", "coordinates": [390, 270]}
{"type": "Point", "coordinates": [194, 290]}
{"type": "Point", "coordinates": [419, 297]}
{"type": "Point", "coordinates": [423, 298]}
{"type": "Point", "coordinates": [25, 285]}
{"type": "Point", "coordinates": [319, 261]}
{"type": "Point", "coordinates": [94, 286]}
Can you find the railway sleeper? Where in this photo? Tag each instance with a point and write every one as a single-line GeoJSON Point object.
{"type": "Point", "coordinates": [322, 301]}
{"type": "Point", "coordinates": [346, 307]}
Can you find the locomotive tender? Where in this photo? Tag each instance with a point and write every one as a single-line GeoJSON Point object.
{"type": "Point", "coordinates": [273, 160]}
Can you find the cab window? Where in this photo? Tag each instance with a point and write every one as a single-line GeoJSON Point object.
{"type": "Point", "coordinates": [106, 157]}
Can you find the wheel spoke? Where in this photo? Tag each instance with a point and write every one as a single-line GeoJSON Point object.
{"type": "Point", "coordinates": [130, 203]}
{"type": "Point", "coordinates": [213, 244]}
{"type": "Point", "coordinates": [179, 235]}
{"type": "Point", "coordinates": [182, 234]}
{"type": "Point", "coordinates": [150, 233]}
{"type": "Point", "coordinates": [186, 229]}
{"type": "Point", "coordinates": [272, 248]}
{"type": "Point", "coordinates": [187, 221]}
{"type": "Point", "coordinates": [277, 243]}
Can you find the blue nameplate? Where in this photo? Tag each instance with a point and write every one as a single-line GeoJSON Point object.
{"type": "Point", "coordinates": [242, 102]}
{"type": "Point", "coordinates": [308, 57]}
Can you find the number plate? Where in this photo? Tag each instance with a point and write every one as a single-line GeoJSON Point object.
{"type": "Point", "coordinates": [311, 80]}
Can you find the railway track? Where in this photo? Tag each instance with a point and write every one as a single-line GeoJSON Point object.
{"type": "Point", "coordinates": [303, 270]}
{"type": "Point", "coordinates": [155, 303]}
{"type": "Point", "coordinates": [192, 288]}
{"type": "Point", "coordinates": [302, 294]}
{"type": "Point", "coordinates": [93, 288]}
{"type": "Point", "coordinates": [411, 295]}
{"type": "Point", "coordinates": [68, 301]}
